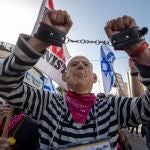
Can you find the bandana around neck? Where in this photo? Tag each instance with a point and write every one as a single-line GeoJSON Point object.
{"type": "Point", "coordinates": [79, 105]}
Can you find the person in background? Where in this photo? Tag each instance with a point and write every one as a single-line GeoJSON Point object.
{"type": "Point", "coordinates": [21, 127]}
{"type": "Point", "coordinates": [137, 89]}
{"type": "Point", "coordinates": [136, 130]}
{"type": "Point", "coordinates": [78, 116]}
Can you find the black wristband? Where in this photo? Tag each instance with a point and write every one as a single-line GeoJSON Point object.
{"type": "Point", "coordinates": [127, 37]}
{"type": "Point", "coordinates": [50, 35]}
{"type": "Point", "coordinates": [134, 73]}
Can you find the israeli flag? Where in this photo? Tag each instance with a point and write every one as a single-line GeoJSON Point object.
{"type": "Point", "coordinates": [48, 85]}
{"type": "Point", "coordinates": [107, 58]}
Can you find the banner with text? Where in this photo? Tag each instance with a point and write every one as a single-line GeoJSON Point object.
{"type": "Point", "coordinates": [52, 64]}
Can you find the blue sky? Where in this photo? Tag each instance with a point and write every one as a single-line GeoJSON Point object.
{"type": "Point", "coordinates": [89, 18]}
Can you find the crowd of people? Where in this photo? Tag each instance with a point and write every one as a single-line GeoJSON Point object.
{"type": "Point", "coordinates": [78, 116]}
{"type": "Point", "coordinates": [21, 127]}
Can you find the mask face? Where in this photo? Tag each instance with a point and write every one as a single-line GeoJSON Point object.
{"type": "Point", "coordinates": [79, 74]}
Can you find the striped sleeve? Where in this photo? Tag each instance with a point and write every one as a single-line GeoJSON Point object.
{"type": "Point", "coordinates": [133, 111]}
{"type": "Point", "coordinates": [12, 88]}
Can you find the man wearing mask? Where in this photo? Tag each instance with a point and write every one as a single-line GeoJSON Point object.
{"type": "Point", "coordinates": [78, 116]}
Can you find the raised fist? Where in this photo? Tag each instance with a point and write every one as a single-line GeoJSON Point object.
{"type": "Point", "coordinates": [58, 19]}
{"type": "Point", "coordinates": [120, 24]}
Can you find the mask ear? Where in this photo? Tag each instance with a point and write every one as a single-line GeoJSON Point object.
{"type": "Point", "coordinates": [64, 76]}
{"type": "Point", "coordinates": [95, 78]}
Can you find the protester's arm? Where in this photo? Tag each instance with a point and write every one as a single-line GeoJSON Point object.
{"type": "Point", "coordinates": [120, 24]}
{"type": "Point", "coordinates": [132, 111]}
{"type": "Point", "coordinates": [27, 52]}
{"type": "Point", "coordinates": [59, 20]}
{"type": "Point", "coordinates": [12, 87]}
{"type": "Point", "coordinates": [136, 86]}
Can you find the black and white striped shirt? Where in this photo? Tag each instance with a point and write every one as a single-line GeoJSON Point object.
{"type": "Point", "coordinates": [56, 125]}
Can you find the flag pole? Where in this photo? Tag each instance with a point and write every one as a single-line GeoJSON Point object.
{"type": "Point", "coordinates": [5, 130]}
{"type": "Point", "coordinates": [41, 11]}
{"type": "Point", "coordinates": [117, 82]}
{"type": "Point", "coordinates": [129, 84]}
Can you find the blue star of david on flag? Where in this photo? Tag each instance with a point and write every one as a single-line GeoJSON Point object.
{"type": "Point", "coordinates": [107, 58]}
{"type": "Point", "coordinates": [107, 69]}
{"type": "Point", "coordinates": [48, 85]}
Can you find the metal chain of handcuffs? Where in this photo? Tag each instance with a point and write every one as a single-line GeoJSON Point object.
{"type": "Point", "coordinates": [131, 35]}
{"type": "Point", "coordinates": [83, 41]}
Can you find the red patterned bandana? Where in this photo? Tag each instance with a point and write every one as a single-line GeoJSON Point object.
{"type": "Point", "coordinates": [15, 120]}
{"type": "Point", "coordinates": [13, 123]}
{"type": "Point", "coordinates": [80, 105]}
